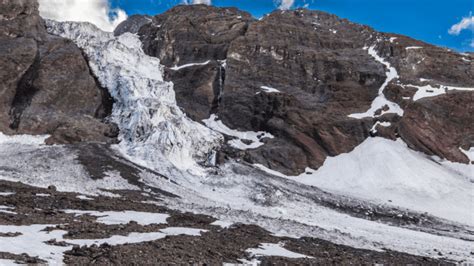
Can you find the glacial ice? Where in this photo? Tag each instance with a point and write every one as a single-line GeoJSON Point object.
{"type": "Point", "coordinates": [153, 129]}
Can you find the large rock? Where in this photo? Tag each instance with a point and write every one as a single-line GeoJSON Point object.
{"type": "Point", "coordinates": [441, 125]}
{"type": "Point", "coordinates": [47, 86]}
{"type": "Point", "coordinates": [198, 35]}
{"type": "Point", "coordinates": [132, 24]}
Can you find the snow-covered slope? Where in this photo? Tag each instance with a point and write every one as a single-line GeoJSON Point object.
{"type": "Point", "coordinates": [388, 172]}
{"type": "Point", "coordinates": [153, 130]}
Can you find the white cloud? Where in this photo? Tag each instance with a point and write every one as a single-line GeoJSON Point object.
{"type": "Point", "coordinates": [98, 12]}
{"type": "Point", "coordinates": [285, 4]}
{"type": "Point", "coordinates": [465, 24]}
{"type": "Point", "coordinates": [196, 2]}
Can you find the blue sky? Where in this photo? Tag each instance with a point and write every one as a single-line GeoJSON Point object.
{"type": "Point", "coordinates": [426, 20]}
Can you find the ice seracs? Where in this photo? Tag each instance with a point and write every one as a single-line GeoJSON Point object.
{"type": "Point", "coordinates": [153, 129]}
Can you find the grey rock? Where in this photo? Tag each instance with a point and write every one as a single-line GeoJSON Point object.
{"type": "Point", "coordinates": [47, 86]}
{"type": "Point", "coordinates": [132, 24]}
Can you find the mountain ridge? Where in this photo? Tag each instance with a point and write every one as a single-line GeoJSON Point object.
{"type": "Point", "coordinates": [272, 141]}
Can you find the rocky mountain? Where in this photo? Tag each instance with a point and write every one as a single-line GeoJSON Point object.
{"type": "Point", "coordinates": [204, 135]}
{"type": "Point", "coordinates": [47, 86]}
{"type": "Point", "coordinates": [320, 71]}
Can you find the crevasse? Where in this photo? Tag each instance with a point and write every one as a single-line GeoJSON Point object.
{"type": "Point", "coordinates": [153, 129]}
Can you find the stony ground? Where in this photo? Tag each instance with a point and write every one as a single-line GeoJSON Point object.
{"type": "Point", "coordinates": [31, 205]}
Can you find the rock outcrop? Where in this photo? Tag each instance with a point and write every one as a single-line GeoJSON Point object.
{"type": "Point", "coordinates": [132, 24]}
{"type": "Point", "coordinates": [300, 74]}
{"type": "Point", "coordinates": [47, 87]}
{"type": "Point", "coordinates": [200, 36]}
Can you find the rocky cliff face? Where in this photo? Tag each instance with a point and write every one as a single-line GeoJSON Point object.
{"type": "Point", "coordinates": [304, 75]}
{"type": "Point", "coordinates": [47, 87]}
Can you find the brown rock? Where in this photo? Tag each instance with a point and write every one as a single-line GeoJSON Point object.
{"type": "Point", "coordinates": [319, 65]}
{"type": "Point", "coordinates": [440, 125]}
{"type": "Point", "coordinates": [47, 86]}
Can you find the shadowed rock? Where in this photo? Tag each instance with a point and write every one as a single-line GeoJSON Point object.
{"type": "Point", "coordinates": [47, 86]}
{"type": "Point", "coordinates": [132, 24]}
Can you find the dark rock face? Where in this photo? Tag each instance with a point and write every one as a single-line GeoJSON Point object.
{"type": "Point", "coordinates": [195, 34]}
{"type": "Point", "coordinates": [47, 86]}
{"type": "Point", "coordinates": [440, 126]}
{"type": "Point", "coordinates": [321, 68]}
{"type": "Point", "coordinates": [132, 24]}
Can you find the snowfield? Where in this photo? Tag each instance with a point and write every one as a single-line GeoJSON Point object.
{"type": "Point", "coordinates": [388, 172]}
{"type": "Point", "coordinates": [155, 133]}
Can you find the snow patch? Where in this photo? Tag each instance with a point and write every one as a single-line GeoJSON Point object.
{"type": "Point", "coordinates": [175, 68]}
{"type": "Point", "coordinates": [6, 262]}
{"type": "Point", "coordinates": [32, 240]}
{"type": "Point", "coordinates": [268, 89]}
{"type": "Point", "coordinates": [82, 197]}
{"type": "Point", "coordinates": [380, 101]}
{"type": "Point", "coordinates": [124, 217]}
{"type": "Point", "coordinates": [7, 209]}
{"type": "Point", "coordinates": [378, 123]}
{"type": "Point", "coordinates": [4, 194]}
{"type": "Point", "coordinates": [430, 91]}
{"type": "Point", "coordinates": [255, 138]}
{"type": "Point", "coordinates": [23, 139]}
{"type": "Point", "coordinates": [469, 153]}
{"type": "Point", "coordinates": [175, 231]}
{"type": "Point", "coordinates": [413, 47]}
{"type": "Point", "coordinates": [269, 249]}
{"type": "Point", "coordinates": [223, 224]}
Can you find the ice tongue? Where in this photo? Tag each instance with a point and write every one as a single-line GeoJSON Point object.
{"type": "Point", "coordinates": [153, 130]}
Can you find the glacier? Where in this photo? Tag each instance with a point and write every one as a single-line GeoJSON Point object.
{"type": "Point", "coordinates": [153, 129]}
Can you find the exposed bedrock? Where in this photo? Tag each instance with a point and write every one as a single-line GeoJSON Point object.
{"type": "Point", "coordinates": [47, 86]}
{"type": "Point", "coordinates": [219, 59]}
